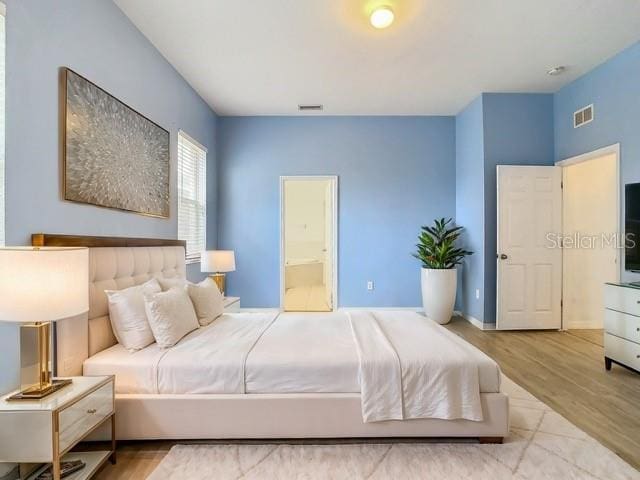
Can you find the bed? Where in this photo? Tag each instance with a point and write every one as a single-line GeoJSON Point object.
{"type": "Point", "coordinates": [277, 375]}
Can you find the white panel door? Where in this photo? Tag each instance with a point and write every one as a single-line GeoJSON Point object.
{"type": "Point", "coordinates": [529, 289]}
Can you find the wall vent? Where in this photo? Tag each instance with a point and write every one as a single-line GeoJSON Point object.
{"type": "Point", "coordinates": [583, 116]}
{"type": "Point", "coordinates": [315, 107]}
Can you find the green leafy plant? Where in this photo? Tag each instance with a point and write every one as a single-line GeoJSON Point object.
{"type": "Point", "coordinates": [437, 246]}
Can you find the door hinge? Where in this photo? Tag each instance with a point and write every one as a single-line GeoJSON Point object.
{"type": "Point", "coordinates": [561, 185]}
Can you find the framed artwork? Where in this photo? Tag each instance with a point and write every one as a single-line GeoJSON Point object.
{"type": "Point", "coordinates": [114, 157]}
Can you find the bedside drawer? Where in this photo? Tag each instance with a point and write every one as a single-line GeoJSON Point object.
{"type": "Point", "coordinates": [622, 299]}
{"type": "Point", "coordinates": [623, 351]}
{"type": "Point", "coordinates": [77, 419]}
{"type": "Point", "coordinates": [622, 325]}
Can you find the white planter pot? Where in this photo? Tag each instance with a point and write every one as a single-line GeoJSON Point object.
{"type": "Point", "coordinates": [439, 293]}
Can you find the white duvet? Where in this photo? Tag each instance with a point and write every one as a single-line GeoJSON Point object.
{"type": "Point", "coordinates": [410, 367]}
{"type": "Point", "coordinates": [402, 364]}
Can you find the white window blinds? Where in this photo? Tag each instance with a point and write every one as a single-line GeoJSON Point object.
{"type": "Point", "coordinates": [192, 195]}
{"type": "Point", "coordinates": [2, 123]}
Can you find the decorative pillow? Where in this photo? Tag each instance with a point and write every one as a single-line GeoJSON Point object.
{"type": "Point", "coordinates": [207, 300]}
{"type": "Point", "coordinates": [128, 316]}
{"type": "Point", "coordinates": [171, 315]}
{"type": "Point", "coordinates": [169, 283]}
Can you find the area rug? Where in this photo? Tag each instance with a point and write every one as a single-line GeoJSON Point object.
{"type": "Point", "coordinates": [542, 445]}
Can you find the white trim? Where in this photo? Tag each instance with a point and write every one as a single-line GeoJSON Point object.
{"type": "Point", "coordinates": [334, 188]}
{"type": "Point", "coordinates": [388, 309]}
{"type": "Point", "coordinates": [600, 152]}
{"type": "Point", "coordinates": [475, 322]}
{"type": "Point", "coordinates": [192, 140]}
{"type": "Point", "coordinates": [585, 157]}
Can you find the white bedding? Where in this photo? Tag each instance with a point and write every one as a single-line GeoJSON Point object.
{"type": "Point", "coordinates": [286, 353]}
{"type": "Point", "coordinates": [421, 372]}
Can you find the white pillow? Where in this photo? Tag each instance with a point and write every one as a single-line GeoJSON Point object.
{"type": "Point", "coordinates": [128, 316]}
{"type": "Point", "coordinates": [207, 300]}
{"type": "Point", "coordinates": [171, 315]}
{"type": "Point", "coordinates": [169, 283]}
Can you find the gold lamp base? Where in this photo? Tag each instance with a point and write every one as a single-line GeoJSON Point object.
{"type": "Point", "coordinates": [35, 373]}
{"type": "Point", "coordinates": [219, 278]}
{"type": "Point", "coordinates": [36, 392]}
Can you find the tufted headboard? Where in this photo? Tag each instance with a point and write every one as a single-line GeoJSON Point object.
{"type": "Point", "coordinates": [114, 263]}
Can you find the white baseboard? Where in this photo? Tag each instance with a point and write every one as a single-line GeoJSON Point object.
{"type": "Point", "coordinates": [350, 309]}
{"type": "Point", "coordinates": [475, 322]}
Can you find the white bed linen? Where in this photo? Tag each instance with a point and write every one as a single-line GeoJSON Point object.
{"type": "Point", "coordinates": [305, 353]}
{"type": "Point", "coordinates": [298, 353]}
{"type": "Point", "coordinates": [416, 372]}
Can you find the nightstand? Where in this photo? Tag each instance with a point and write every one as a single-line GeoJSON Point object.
{"type": "Point", "coordinates": [44, 431]}
{"type": "Point", "coordinates": [231, 304]}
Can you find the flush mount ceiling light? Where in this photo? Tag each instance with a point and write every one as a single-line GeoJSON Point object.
{"type": "Point", "coordinates": [382, 17]}
{"type": "Point", "coordinates": [556, 70]}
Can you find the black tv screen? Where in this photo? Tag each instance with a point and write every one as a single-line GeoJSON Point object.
{"type": "Point", "coordinates": [632, 226]}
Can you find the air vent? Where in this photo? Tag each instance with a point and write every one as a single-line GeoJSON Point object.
{"type": "Point", "coordinates": [583, 116]}
{"type": "Point", "coordinates": [314, 107]}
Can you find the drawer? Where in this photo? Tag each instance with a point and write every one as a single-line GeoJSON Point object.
{"type": "Point", "coordinates": [622, 299]}
{"type": "Point", "coordinates": [77, 419]}
{"type": "Point", "coordinates": [622, 325]}
{"type": "Point", "coordinates": [623, 351]}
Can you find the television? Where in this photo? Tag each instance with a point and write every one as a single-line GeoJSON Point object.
{"type": "Point", "coordinates": [632, 227]}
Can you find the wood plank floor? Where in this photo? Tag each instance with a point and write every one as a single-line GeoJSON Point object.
{"type": "Point", "coordinates": [563, 369]}
{"type": "Point", "coordinates": [566, 371]}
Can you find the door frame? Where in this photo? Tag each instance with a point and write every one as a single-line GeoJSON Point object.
{"type": "Point", "coordinates": [334, 237]}
{"type": "Point", "coordinates": [585, 157]}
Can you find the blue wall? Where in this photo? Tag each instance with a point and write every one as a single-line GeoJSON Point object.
{"type": "Point", "coordinates": [518, 130]}
{"type": "Point", "coordinates": [395, 174]}
{"type": "Point", "coordinates": [614, 90]}
{"type": "Point", "coordinates": [469, 206]}
{"type": "Point", "coordinates": [495, 129]}
{"type": "Point", "coordinates": [94, 38]}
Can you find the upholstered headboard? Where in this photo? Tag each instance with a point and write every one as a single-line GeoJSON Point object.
{"type": "Point", "coordinates": [114, 263]}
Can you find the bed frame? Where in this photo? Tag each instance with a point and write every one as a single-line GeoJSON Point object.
{"type": "Point", "coordinates": [117, 262]}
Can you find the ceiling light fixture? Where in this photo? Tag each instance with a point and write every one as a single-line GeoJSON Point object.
{"type": "Point", "coordinates": [556, 70]}
{"type": "Point", "coordinates": [382, 17]}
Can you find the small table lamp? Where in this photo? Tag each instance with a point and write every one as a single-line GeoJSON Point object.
{"type": "Point", "coordinates": [220, 262]}
{"type": "Point", "coordinates": [39, 285]}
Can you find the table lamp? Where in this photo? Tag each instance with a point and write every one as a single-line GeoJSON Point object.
{"type": "Point", "coordinates": [39, 285]}
{"type": "Point", "coordinates": [219, 262]}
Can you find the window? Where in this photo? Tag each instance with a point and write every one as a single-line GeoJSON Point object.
{"type": "Point", "coordinates": [2, 69]}
{"type": "Point", "coordinates": [192, 195]}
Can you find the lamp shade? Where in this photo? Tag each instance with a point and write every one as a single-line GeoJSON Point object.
{"type": "Point", "coordinates": [218, 261]}
{"type": "Point", "coordinates": [43, 284]}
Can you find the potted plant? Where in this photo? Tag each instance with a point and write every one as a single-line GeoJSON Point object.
{"type": "Point", "coordinates": [439, 255]}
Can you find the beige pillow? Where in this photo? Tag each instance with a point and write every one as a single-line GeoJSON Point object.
{"type": "Point", "coordinates": [207, 300]}
{"type": "Point", "coordinates": [171, 315]}
{"type": "Point", "coordinates": [128, 317]}
{"type": "Point", "coordinates": [168, 283]}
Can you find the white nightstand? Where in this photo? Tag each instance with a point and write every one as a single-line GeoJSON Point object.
{"type": "Point", "coordinates": [44, 431]}
{"type": "Point", "coordinates": [231, 304]}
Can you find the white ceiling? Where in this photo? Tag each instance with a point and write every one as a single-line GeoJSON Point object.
{"type": "Point", "coordinates": [264, 57]}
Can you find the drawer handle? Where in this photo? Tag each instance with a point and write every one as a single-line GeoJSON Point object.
{"type": "Point", "coordinates": [92, 411]}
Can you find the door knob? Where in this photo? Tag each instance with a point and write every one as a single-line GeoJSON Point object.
{"type": "Point", "coordinates": [503, 256]}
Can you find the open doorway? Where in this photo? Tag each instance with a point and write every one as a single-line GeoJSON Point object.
{"type": "Point", "coordinates": [591, 233]}
{"type": "Point", "coordinates": [308, 233]}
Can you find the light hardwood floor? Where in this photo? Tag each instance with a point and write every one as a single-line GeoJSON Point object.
{"type": "Point", "coordinates": [563, 369]}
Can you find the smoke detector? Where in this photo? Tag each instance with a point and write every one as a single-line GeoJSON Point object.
{"type": "Point", "coordinates": [556, 70]}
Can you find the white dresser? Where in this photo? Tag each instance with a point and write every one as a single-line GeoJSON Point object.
{"type": "Point", "coordinates": [622, 325]}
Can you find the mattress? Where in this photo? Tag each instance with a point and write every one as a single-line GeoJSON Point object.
{"type": "Point", "coordinates": [256, 353]}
